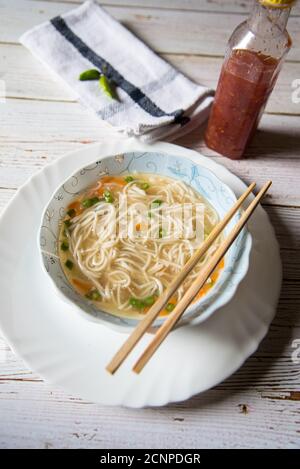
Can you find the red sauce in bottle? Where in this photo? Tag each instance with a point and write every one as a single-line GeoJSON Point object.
{"type": "Point", "coordinates": [246, 81]}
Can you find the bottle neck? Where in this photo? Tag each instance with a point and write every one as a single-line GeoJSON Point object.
{"type": "Point", "coordinates": [268, 21]}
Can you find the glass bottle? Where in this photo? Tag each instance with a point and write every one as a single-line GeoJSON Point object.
{"type": "Point", "coordinates": [253, 60]}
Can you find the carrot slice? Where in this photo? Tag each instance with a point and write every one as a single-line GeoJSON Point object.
{"type": "Point", "coordinates": [106, 183]}
{"type": "Point", "coordinates": [82, 286]}
{"type": "Point", "coordinates": [113, 180]}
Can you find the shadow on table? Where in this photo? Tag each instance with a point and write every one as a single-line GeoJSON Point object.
{"type": "Point", "coordinates": [266, 143]}
{"type": "Point", "coordinates": [253, 374]}
{"type": "Point", "coordinates": [274, 143]}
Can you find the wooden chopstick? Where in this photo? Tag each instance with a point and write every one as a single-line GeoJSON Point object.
{"type": "Point", "coordinates": [169, 323]}
{"type": "Point", "coordinates": [152, 314]}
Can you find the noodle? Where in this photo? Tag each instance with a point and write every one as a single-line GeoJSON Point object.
{"type": "Point", "coordinates": [126, 274]}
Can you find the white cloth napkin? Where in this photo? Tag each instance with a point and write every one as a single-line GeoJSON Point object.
{"type": "Point", "coordinates": [155, 100]}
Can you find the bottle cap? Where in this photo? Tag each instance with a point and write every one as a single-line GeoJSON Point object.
{"type": "Point", "coordinates": [277, 3]}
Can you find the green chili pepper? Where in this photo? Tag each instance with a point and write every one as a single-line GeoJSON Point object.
{"type": "Point", "coordinates": [71, 212]}
{"type": "Point", "coordinates": [108, 197]}
{"type": "Point", "coordinates": [87, 203]}
{"type": "Point", "coordinates": [108, 87]}
{"type": "Point", "coordinates": [144, 186]}
{"type": "Point", "coordinates": [170, 307]}
{"type": "Point", "coordinates": [69, 264]}
{"type": "Point", "coordinates": [91, 74]}
{"type": "Point", "coordinates": [128, 179]}
{"type": "Point", "coordinates": [156, 203]}
{"type": "Point", "coordinates": [149, 301]}
{"type": "Point", "coordinates": [161, 233]}
{"type": "Point", "coordinates": [67, 223]}
{"type": "Point", "coordinates": [64, 246]}
{"type": "Point", "coordinates": [93, 295]}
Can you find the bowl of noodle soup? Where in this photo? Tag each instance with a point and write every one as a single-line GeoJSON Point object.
{"type": "Point", "coordinates": [115, 233]}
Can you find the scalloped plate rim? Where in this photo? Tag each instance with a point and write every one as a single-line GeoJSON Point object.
{"type": "Point", "coordinates": [196, 387]}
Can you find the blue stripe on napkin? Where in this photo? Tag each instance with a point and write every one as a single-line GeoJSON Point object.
{"type": "Point", "coordinates": [112, 74]}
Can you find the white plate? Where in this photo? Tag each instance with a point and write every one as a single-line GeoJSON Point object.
{"type": "Point", "coordinates": [71, 352]}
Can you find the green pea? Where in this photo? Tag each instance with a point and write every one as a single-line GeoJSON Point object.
{"type": "Point", "coordinates": [136, 303]}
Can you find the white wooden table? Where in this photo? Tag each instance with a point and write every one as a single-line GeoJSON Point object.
{"type": "Point", "coordinates": [40, 121]}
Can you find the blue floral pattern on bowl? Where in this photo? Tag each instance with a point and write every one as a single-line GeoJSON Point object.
{"type": "Point", "coordinates": [200, 178]}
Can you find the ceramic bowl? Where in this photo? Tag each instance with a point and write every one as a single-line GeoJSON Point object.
{"type": "Point", "coordinates": [200, 178]}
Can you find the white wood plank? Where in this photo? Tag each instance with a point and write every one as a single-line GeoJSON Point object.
{"type": "Point", "coordinates": [254, 406]}
{"type": "Point", "coordinates": [25, 77]}
{"type": "Point", "coordinates": [36, 415]}
{"type": "Point", "coordinates": [168, 31]}
{"type": "Point", "coordinates": [277, 136]}
{"type": "Point", "coordinates": [37, 121]}
{"type": "Point", "coordinates": [282, 172]}
{"type": "Point", "coordinates": [286, 221]}
{"type": "Point", "coordinates": [33, 133]}
{"type": "Point", "coordinates": [12, 367]}
{"type": "Point", "coordinates": [217, 6]}
{"type": "Point", "coordinates": [291, 265]}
